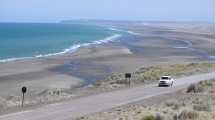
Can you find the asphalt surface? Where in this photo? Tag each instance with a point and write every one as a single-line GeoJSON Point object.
{"type": "Point", "coordinates": [91, 104]}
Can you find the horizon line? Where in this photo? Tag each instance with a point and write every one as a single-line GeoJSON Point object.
{"type": "Point", "coordinates": [110, 20]}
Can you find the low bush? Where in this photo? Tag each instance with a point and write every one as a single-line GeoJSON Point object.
{"type": "Point", "coordinates": [173, 104]}
{"type": "Point", "coordinates": [170, 103]}
{"type": "Point", "coordinates": [188, 115]}
{"type": "Point", "coordinates": [206, 83]}
{"type": "Point", "coordinates": [202, 107]}
{"type": "Point", "coordinates": [194, 88]}
{"type": "Point", "coordinates": [148, 117]}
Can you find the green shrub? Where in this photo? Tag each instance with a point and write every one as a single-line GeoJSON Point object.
{"type": "Point", "coordinates": [148, 117]}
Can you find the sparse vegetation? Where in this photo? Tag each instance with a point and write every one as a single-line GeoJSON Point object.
{"type": "Point", "coordinates": [194, 88]}
{"type": "Point", "coordinates": [117, 81]}
{"type": "Point", "coordinates": [188, 115]}
{"type": "Point", "coordinates": [199, 105]}
{"type": "Point", "coordinates": [148, 117]}
{"type": "Point", "coordinates": [173, 104]}
{"type": "Point", "coordinates": [153, 73]}
{"type": "Point", "coordinates": [207, 85]}
{"type": "Point", "coordinates": [202, 107]}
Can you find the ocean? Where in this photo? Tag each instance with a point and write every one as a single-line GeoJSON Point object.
{"type": "Point", "coordinates": [29, 40]}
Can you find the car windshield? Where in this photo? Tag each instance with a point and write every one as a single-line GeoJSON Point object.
{"type": "Point", "coordinates": [165, 78]}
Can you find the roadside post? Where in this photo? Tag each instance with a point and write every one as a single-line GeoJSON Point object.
{"type": "Point", "coordinates": [128, 77]}
{"type": "Point", "coordinates": [24, 90]}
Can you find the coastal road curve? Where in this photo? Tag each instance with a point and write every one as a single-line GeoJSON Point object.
{"type": "Point", "coordinates": [91, 104]}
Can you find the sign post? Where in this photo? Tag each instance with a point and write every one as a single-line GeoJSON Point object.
{"type": "Point", "coordinates": [128, 77]}
{"type": "Point", "coordinates": [24, 90]}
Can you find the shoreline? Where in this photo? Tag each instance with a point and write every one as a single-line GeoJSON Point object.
{"type": "Point", "coordinates": [125, 42]}
{"type": "Point", "coordinates": [71, 49]}
{"type": "Point", "coordinates": [134, 45]}
{"type": "Point", "coordinates": [53, 74]}
{"type": "Point", "coordinates": [109, 39]}
{"type": "Point", "coordinates": [75, 47]}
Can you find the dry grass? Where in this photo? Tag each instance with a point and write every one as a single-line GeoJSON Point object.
{"type": "Point", "coordinates": [179, 106]}
{"type": "Point", "coordinates": [151, 74]}
{"type": "Point", "coordinates": [202, 86]}
{"type": "Point", "coordinates": [188, 115]}
{"type": "Point", "coordinates": [177, 70]}
{"type": "Point", "coordinates": [202, 107]}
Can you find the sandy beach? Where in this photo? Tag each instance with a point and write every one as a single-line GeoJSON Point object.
{"type": "Point", "coordinates": [152, 46]}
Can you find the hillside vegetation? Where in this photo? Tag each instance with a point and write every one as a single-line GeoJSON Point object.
{"type": "Point", "coordinates": [151, 74]}
{"type": "Point", "coordinates": [196, 102]}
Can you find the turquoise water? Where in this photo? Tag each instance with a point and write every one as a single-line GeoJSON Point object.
{"type": "Point", "coordinates": [21, 40]}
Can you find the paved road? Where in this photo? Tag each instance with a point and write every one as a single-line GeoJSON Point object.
{"type": "Point", "coordinates": [75, 108]}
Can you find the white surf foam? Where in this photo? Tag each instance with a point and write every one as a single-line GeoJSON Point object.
{"type": "Point", "coordinates": [113, 28]}
{"type": "Point", "coordinates": [67, 50]}
{"type": "Point", "coordinates": [133, 33]}
{"type": "Point", "coordinates": [77, 46]}
{"type": "Point", "coordinates": [15, 59]}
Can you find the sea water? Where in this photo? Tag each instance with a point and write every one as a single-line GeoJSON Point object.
{"type": "Point", "coordinates": [29, 40]}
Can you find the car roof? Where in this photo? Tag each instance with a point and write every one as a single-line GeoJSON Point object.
{"type": "Point", "coordinates": [166, 76]}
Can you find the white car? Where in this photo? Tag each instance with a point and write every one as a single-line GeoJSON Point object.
{"type": "Point", "coordinates": [166, 81]}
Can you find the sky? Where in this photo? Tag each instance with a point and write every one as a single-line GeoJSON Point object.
{"type": "Point", "coordinates": [146, 10]}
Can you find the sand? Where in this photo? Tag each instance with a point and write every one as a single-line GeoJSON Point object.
{"type": "Point", "coordinates": [42, 76]}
